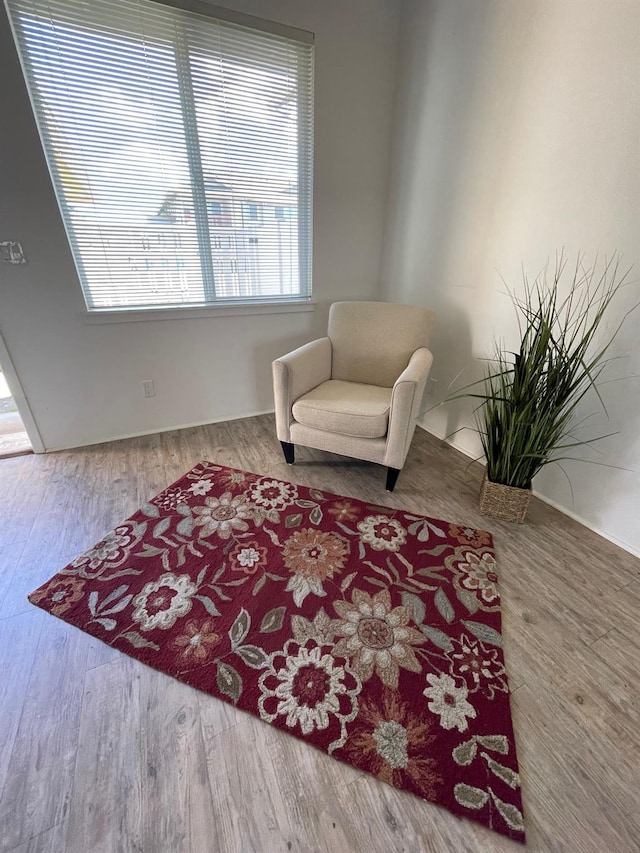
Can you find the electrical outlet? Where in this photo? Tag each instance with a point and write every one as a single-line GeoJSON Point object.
{"type": "Point", "coordinates": [148, 388]}
{"type": "Point", "coordinates": [432, 388]}
{"type": "Point", "coordinates": [11, 252]}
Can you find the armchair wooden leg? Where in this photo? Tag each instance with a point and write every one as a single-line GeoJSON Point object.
{"type": "Point", "coordinates": [289, 451]}
{"type": "Point", "coordinates": [392, 476]}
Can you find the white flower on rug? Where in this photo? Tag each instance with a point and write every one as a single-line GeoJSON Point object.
{"type": "Point", "coordinates": [480, 667]}
{"type": "Point", "coordinates": [201, 487]}
{"type": "Point", "coordinates": [310, 688]}
{"type": "Point", "coordinates": [273, 494]}
{"type": "Point", "coordinates": [449, 702]}
{"type": "Point", "coordinates": [160, 603]}
{"type": "Point", "coordinates": [376, 636]}
{"type": "Point", "coordinates": [223, 515]}
{"type": "Point", "coordinates": [382, 533]}
{"type": "Point", "coordinates": [109, 552]}
{"type": "Point", "coordinates": [248, 557]}
{"type": "Point", "coordinates": [480, 575]}
{"type": "Point", "coordinates": [171, 498]}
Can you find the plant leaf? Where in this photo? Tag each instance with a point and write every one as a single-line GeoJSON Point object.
{"type": "Point", "coordinates": [415, 604]}
{"type": "Point", "coordinates": [117, 607]}
{"type": "Point", "coordinates": [378, 582]}
{"type": "Point", "coordinates": [465, 752]}
{"type": "Point", "coordinates": [496, 743]}
{"type": "Point", "coordinates": [512, 816]}
{"type": "Point", "coordinates": [161, 526]}
{"type": "Point", "coordinates": [229, 681]}
{"type": "Point", "coordinates": [201, 575]}
{"type": "Point", "coordinates": [150, 510]}
{"type": "Point", "coordinates": [273, 536]}
{"type": "Point", "coordinates": [139, 642]}
{"type": "Point", "coordinates": [438, 637]}
{"type": "Point", "coordinates": [435, 552]}
{"type": "Point", "coordinates": [209, 606]}
{"type": "Point", "coordinates": [293, 520]}
{"type": "Point", "coordinates": [345, 529]}
{"type": "Point", "coordinates": [315, 516]}
{"type": "Point", "coordinates": [435, 529]}
{"type": "Point", "coordinates": [93, 601]}
{"type": "Point", "coordinates": [316, 495]}
{"type": "Point", "coordinates": [185, 526]}
{"type": "Point", "coordinates": [113, 595]}
{"type": "Point", "coordinates": [240, 628]}
{"type": "Point", "coordinates": [483, 632]}
{"type": "Point", "coordinates": [445, 608]}
{"type": "Point", "coordinates": [509, 776]}
{"type": "Point", "coordinates": [379, 570]}
{"type": "Point", "coordinates": [469, 600]}
{"type": "Point", "coordinates": [107, 624]}
{"type": "Point", "coordinates": [259, 584]}
{"type": "Point", "coordinates": [408, 566]}
{"type": "Point", "coordinates": [423, 533]}
{"type": "Point", "coordinates": [253, 656]}
{"type": "Point", "coordinates": [272, 621]}
{"type": "Point", "coordinates": [467, 795]}
{"type": "Point", "coordinates": [346, 581]}
{"type": "Point", "coordinates": [150, 551]}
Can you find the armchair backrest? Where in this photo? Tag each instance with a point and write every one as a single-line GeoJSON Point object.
{"type": "Point", "coordinates": [373, 341]}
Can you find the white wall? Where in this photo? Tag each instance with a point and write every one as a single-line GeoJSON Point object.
{"type": "Point", "coordinates": [517, 129]}
{"type": "Point", "coordinates": [83, 381]}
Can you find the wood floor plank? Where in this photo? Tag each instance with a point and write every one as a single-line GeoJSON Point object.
{"type": "Point", "coordinates": [38, 785]}
{"type": "Point", "coordinates": [20, 637]}
{"type": "Point", "coordinates": [174, 767]}
{"type": "Point", "coordinates": [247, 806]}
{"type": "Point", "coordinates": [52, 840]}
{"type": "Point", "coordinates": [100, 754]}
{"type": "Point", "coordinates": [105, 811]}
{"type": "Point", "coordinates": [569, 807]}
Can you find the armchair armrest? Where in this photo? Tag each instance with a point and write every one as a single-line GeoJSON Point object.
{"type": "Point", "coordinates": [295, 374]}
{"type": "Point", "coordinates": [406, 397]}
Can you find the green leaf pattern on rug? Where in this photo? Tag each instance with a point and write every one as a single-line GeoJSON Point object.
{"type": "Point", "coordinates": [229, 681]}
{"type": "Point", "coordinates": [469, 796]}
{"type": "Point", "coordinates": [476, 798]}
{"type": "Point", "coordinates": [240, 628]}
{"type": "Point", "coordinates": [485, 633]}
{"type": "Point", "coordinates": [272, 621]}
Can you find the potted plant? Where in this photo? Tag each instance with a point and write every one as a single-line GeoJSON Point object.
{"type": "Point", "coordinates": [526, 416]}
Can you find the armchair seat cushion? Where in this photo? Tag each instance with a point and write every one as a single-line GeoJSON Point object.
{"type": "Point", "coordinates": [348, 408]}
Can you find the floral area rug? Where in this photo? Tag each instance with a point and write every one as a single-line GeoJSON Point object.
{"type": "Point", "coordinates": [371, 633]}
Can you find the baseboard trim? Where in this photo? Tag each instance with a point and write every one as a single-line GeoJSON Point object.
{"type": "Point", "coordinates": [161, 429]}
{"type": "Point", "coordinates": [573, 515]}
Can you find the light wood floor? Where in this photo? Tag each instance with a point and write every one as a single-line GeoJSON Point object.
{"type": "Point", "coordinates": [100, 754]}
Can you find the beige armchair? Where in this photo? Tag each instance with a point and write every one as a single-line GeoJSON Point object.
{"type": "Point", "coordinates": [358, 391]}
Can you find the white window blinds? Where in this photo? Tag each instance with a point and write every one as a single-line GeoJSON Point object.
{"type": "Point", "coordinates": [180, 147]}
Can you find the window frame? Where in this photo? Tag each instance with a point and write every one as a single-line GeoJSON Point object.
{"type": "Point", "coordinates": [212, 305]}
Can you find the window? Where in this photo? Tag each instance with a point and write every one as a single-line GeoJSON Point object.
{"type": "Point", "coordinates": [167, 133]}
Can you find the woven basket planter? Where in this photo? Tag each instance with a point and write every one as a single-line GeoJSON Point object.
{"type": "Point", "coordinates": [504, 502]}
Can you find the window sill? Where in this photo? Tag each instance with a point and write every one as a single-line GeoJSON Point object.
{"type": "Point", "coordinates": [191, 313]}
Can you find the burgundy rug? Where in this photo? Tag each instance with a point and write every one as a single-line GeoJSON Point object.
{"type": "Point", "coordinates": [371, 633]}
